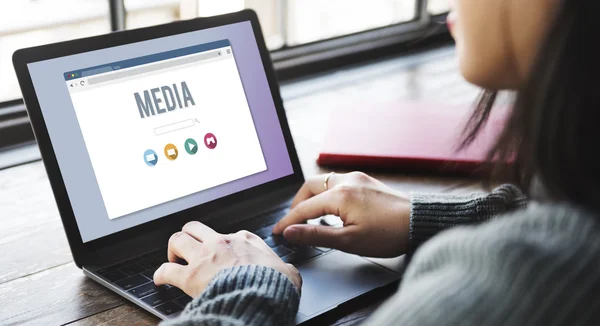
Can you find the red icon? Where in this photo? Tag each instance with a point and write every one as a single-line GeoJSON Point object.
{"type": "Point", "coordinates": [210, 141]}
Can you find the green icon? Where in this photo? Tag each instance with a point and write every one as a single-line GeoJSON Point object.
{"type": "Point", "coordinates": [191, 147]}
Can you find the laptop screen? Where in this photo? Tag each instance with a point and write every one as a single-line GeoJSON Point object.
{"type": "Point", "coordinates": [147, 129]}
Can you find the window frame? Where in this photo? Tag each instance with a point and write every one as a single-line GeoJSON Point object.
{"type": "Point", "coordinates": [289, 62]}
{"type": "Point", "coordinates": [345, 43]}
{"type": "Point", "coordinates": [15, 129]}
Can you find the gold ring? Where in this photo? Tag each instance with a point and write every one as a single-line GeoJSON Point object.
{"type": "Point", "coordinates": [325, 183]}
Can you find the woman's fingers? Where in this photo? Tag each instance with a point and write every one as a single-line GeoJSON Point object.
{"type": "Point", "coordinates": [307, 190]}
{"type": "Point", "coordinates": [318, 235]}
{"type": "Point", "coordinates": [314, 186]}
{"type": "Point", "coordinates": [199, 231]}
{"type": "Point", "coordinates": [317, 206]}
{"type": "Point", "coordinates": [182, 245]}
{"type": "Point", "coordinates": [170, 273]}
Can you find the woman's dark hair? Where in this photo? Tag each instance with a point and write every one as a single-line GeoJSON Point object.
{"type": "Point", "coordinates": [554, 126]}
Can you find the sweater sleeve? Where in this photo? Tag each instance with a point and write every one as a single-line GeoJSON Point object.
{"type": "Point", "coordinates": [433, 213]}
{"type": "Point", "coordinates": [243, 295]}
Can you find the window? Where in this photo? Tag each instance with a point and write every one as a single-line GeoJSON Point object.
{"type": "Point", "coordinates": [315, 20]}
{"type": "Point", "coordinates": [287, 22]}
{"type": "Point", "coordinates": [25, 23]}
{"type": "Point", "coordinates": [437, 7]}
{"type": "Point", "coordinates": [300, 33]}
{"type": "Point", "coordinates": [142, 13]}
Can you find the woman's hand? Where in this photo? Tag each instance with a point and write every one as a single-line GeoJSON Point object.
{"type": "Point", "coordinates": [207, 252]}
{"type": "Point", "coordinates": [376, 218]}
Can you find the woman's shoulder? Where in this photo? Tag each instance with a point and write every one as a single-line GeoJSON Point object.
{"type": "Point", "coordinates": [548, 219]}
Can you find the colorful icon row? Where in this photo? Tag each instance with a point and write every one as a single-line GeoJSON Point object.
{"type": "Point", "coordinates": [171, 152]}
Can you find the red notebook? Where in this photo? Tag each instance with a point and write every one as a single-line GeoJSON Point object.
{"type": "Point", "coordinates": [407, 136]}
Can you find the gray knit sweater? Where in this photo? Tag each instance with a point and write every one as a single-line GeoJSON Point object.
{"type": "Point", "coordinates": [537, 265]}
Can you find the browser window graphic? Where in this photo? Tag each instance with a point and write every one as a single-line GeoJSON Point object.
{"type": "Point", "coordinates": [166, 125]}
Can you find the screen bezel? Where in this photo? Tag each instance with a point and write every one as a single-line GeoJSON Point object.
{"type": "Point", "coordinates": [79, 249]}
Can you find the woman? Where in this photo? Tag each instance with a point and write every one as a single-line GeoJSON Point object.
{"type": "Point", "coordinates": [533, 262]}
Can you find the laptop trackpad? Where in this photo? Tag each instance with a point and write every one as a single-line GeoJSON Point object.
{"type": "Point", "coordinates": [339, 277]}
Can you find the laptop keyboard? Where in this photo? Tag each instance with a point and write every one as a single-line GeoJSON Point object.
{"type": "Point", "coordinates": [135, 276]}
{"type": "Point", "coordinates": [290, 253]}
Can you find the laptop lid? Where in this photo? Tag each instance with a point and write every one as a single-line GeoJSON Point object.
{"type": "Point", "coordinates": [141, 131]}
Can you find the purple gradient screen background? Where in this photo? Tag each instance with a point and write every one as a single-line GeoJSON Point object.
{"type": "Point", "coordinates": [71, 153]}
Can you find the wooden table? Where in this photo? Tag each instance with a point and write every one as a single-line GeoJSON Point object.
{"type": "Point", "coordinates": [39, 283]}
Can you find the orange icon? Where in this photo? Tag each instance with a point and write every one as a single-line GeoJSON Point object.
{"type": "Point", "coordinates": [171, 152]}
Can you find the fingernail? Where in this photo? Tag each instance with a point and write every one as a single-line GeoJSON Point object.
{"type": "Point", "coordinates": [175, 235]}
{"type": "Point", "coordinates": [292, 233]}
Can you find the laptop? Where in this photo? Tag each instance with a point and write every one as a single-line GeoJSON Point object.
{"type": "Point", "coordinates": [144, 130]}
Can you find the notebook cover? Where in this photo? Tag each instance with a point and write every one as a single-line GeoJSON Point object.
{"type": "Point", "coordinates": [407, 136]}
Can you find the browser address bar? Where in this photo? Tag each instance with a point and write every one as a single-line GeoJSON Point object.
{"type": "Point", "coordinates": [154, 67]}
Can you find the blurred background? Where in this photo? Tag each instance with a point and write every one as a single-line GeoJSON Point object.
{"type": "Point", "coordinates": [285, 23]}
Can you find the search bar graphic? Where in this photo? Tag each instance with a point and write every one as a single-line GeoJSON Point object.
{"type": "Point", "coordinates": [154, 67]}
{"type": "Point", "coordinates": [173, 127]}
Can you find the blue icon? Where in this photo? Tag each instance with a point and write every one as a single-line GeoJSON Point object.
{"type": "Point", "coordinates": [150, 157]}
